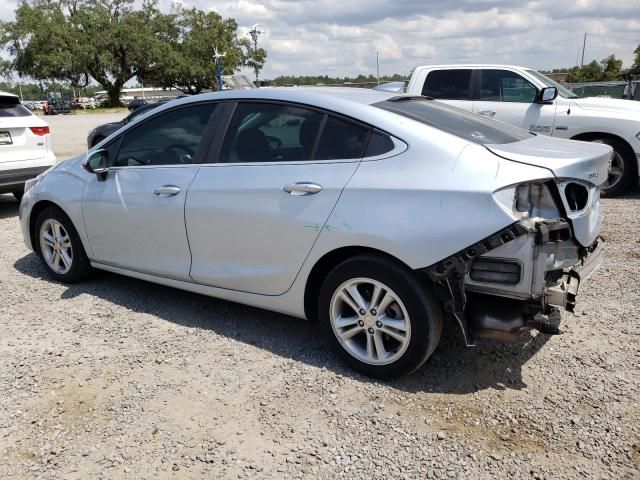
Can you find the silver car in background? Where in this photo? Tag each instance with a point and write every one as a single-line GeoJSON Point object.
{"type": "Point", "coordinates": [376, 216]}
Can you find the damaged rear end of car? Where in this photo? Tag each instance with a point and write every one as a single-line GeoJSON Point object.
{"type": "Point", "coordinates": [524, 275]}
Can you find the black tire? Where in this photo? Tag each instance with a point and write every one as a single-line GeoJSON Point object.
{"type": "Point", "coordinates": [628, 161]}
{"type": "Point", "coordinates": [97, 140]}
{"type": "Point", "coordinates": [423, 308]}
{"type": "Point", "coordinates": [80, 265]}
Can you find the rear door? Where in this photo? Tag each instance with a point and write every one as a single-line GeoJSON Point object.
{"type": "Point", "coordinates": [508, 97]}
{"type": "Point", "coordinates": [253, 216]}
{"type": "Point", "coordinates": [23, 136]}
{"type": "Point", "coordinates": [450, 86]}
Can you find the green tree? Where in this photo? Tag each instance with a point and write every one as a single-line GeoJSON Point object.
{"type": "Point", "coordinates": [611, 67]}
{"type": "Point", "coordinates": [75, 40]}
{"type": "Point", "coordinates": [193, 36]}
{"type": "Point", "coordinates": [635, 68]}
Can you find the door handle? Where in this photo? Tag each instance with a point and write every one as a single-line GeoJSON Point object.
{"type": "Point", "coordinates": [167, 191]}
{"type": "Point", "coordinates": [302, 188]}
{"type": "Point", "coordinates": [489, 113]}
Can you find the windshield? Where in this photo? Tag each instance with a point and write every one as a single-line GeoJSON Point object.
{"type": "Point", "coordinates": [456, 121]}
{"type": "Point", "coordinates": [564, 92]}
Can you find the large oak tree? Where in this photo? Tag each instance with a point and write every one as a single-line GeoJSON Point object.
{"type": "Point", "coordinates": [113, 41]}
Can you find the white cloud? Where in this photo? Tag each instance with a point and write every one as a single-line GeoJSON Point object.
{"type": "Point", "coordinates": [341, 37]}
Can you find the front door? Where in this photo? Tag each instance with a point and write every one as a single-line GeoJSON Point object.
{"type": "Point", "coordinates": [135, 217]}
{"type": "Point", "coordinates": [253, 217]}
{"type": "Point", "coordinates": [508, 97]}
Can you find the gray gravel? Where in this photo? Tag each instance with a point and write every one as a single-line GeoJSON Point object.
{"type": "Point", "coordinates": [117, 378]}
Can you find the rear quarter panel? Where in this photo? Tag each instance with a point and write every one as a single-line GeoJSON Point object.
{"type": "Point", "coordinates": [425, 204]}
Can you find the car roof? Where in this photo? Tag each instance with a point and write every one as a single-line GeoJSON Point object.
{"type": "Point", "coordinates": [475, 65]}
{"type": "Point", "coordinates": [7, 94]}
{"type": "Point", "coordinates": [320, 96]}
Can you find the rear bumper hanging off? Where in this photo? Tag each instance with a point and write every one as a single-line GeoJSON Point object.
{"type": "Point", "coordinates": [518, 278]}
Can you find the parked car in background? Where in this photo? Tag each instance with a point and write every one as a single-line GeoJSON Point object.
{"type": "Point", "coordinates": [368, 213]}
{"type": "Point", "coordinates": [528, 99]}
{"type": "Point", "coordinates": [83, 102]}
{"type": "Point", "coordinates": [101, 132]}
{"type": "Point", "coordinates": [25, 145]}
{"type": "Point", "coordinates": [136, 103]}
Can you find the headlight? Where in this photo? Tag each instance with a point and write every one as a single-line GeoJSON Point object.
{"type": "Point", "coordinates": [32, 182]}
{"type": "Point", "coordinates": [528, 200]}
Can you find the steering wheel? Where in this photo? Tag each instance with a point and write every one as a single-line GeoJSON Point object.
{"type": "Point", "coordinates": [178, 146]}
{"type": "Point", "coordinates": [274, 142]}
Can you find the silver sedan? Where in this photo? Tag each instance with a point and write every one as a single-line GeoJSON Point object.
{"type": "Point", "coordinates": [376, 216]}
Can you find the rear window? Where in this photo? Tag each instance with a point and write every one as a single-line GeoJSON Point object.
{"type": "Point", "coordinates": [10, 107]}
{"type": "Point", "coordinates": [456, 121]}
{"type": "Point", "coordinates": [448, 84]}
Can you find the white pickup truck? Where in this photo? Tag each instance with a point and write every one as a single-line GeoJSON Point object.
{"type": "Point", "coordinates": [527, 99]}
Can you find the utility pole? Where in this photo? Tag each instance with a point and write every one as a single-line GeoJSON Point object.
{"type": "Point", "coordinates": [584, 43]}
{"type": "Point", "coordinates": [378, 66]}
{"type": "Point", "coordinates": [254, 32]}
{"type": "Point", "coordinates": [20, 88]}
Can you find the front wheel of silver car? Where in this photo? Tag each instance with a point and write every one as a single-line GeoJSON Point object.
{"type": "Point", "coordinates": [59, 247]}
{"type": "Point", "coordinates": [380, 318]}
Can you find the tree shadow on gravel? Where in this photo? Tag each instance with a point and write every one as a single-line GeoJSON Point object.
{"type": "Point", "coordinates": [453, 369]}
{"type": "Point", "coordinates": [8, 207]}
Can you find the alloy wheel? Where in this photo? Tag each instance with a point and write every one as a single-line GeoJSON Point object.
{"type": "Point", "coordinates": [55, 245]}
{"type": "Point", "coordinates": [370, 321]}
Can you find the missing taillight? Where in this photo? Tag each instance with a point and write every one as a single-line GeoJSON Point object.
{"type": "Point", "coordinates": [577, 196]}
{"type": "Point", "coordinates": [40, 131]}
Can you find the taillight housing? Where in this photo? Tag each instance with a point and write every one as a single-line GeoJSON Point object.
{"type": "Point", "coordinates": [40, 131]}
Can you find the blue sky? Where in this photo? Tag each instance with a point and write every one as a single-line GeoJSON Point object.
{"type": "Point", "coordinates": [339, 38]}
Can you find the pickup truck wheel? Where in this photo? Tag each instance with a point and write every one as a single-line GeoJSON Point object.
{"type": "Point", "coordinates": [379, 317]}
{"type": "Point", "coordinates": [621, 172]}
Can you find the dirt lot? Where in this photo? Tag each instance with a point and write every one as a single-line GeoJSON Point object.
{"type": "Point", "coordinates": [69, 132]}
{"type": "Point", "coordinates": [117, 378]}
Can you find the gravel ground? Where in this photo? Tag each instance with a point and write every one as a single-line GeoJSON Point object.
{"type": "Point", "coordinates": [117, 378]}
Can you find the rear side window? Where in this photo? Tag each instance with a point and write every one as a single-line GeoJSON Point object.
{"type": "Point", "coordinates": [266, 132]}
{"type": "Point", "coordinates": [11, 107]}
{"type": "Point", "coordinates": [448, 84]}
{"type": "Point", "coordinates": [342, 140]}
{"type": "Point", "coordinates": [461, 123]}
{"type": "Point", "coordinates": [379, 144]}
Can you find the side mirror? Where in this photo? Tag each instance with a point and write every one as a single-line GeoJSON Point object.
{"type": "Point", "coordinates": [97, 163]}
{"type": "Point", "coordinates": [547, 95]}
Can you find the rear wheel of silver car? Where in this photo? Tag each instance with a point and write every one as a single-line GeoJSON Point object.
{"type": "Point", "coordinates": [622, 169]}
{"type": "Point", "coordinates": [59, 247]}
{"type": "Point", "coordinates": [380, 318]}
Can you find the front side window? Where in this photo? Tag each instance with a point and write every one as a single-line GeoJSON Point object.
{"type": "Point", "coordinates": [447, 84]}
{"type": "Point", "coordinates": [170, 138]}
{"type": "Point", "coordinates": [505, 86]}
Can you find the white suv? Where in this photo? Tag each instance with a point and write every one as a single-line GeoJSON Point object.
{"type": "Point", "coordinates": [25, 145]}
{"type": "Point", "coordinates": [514, 95]}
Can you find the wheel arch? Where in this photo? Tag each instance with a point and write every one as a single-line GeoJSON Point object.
{"type": "Point", "coordinates": [590, 136]}
{"type": "Point", "coordinates": [325, 264]}
{"type": "Point", "coordinates": [37, 208]}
